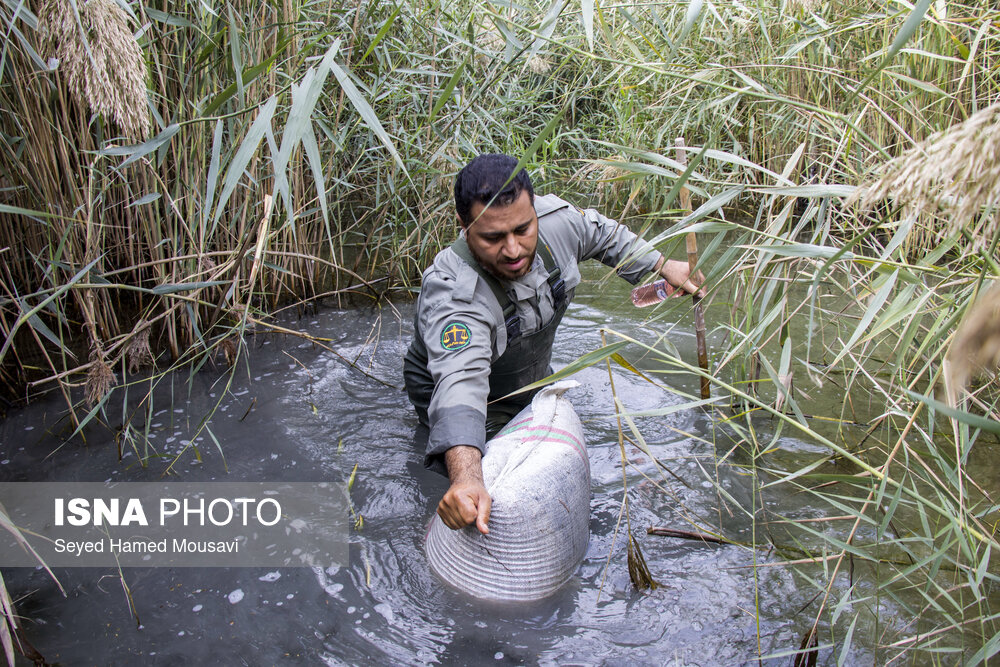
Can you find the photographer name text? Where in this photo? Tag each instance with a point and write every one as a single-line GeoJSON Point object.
{"type": "Point", "coordinates": [140, 546]}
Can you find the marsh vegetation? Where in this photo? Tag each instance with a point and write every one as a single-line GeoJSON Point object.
{"type": "Point", "coordinates": [175, 174]}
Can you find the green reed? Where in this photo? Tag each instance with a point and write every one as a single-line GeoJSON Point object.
{"type": "Point", "coordinates": [303, 152]}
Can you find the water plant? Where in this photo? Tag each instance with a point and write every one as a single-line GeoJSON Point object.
{"type": "Point", "coordinates": [11, 634]}
{"type": "Point", "coordinates": [297, 152]}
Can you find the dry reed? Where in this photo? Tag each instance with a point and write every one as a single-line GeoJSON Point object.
{"type": "Point", "coordinates": [955, 173]}
{"type": "Point", "coordinates": [804, 5]}
{"type": "Point", "coordinates": [100, 377]}
{"type": "Point", "coordinates": [539, 65]}
{"type": "Point", "coordinates": [137, 350]}
{"type": "Point", "coordinates": [99, 58]}
{"type": "Point", "coordinates": [975, 349]}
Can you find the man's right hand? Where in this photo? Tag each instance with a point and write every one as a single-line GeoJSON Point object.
{"type": "Point", "coordinates": [467, 500]}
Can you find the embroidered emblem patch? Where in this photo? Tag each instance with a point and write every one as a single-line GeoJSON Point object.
{"type": "Point", "coordinates": [455, 336]}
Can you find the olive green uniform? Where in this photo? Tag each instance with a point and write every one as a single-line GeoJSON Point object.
{"type": "Point", "coordinates": [467, 351]}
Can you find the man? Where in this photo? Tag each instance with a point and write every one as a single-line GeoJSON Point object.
{"type": "Point", "coordinates": [488, 309]}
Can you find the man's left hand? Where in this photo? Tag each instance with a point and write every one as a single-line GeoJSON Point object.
{"type": "Point", "coordinates": [678, 274]}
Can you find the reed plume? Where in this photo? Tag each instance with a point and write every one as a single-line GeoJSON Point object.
{"type": "Point", "coordinates": [605, 174]}
{"type": "Point", "coordinates": [489, 37]}
{"type": "Point", "coordinates": [100, 377]}
{"type": "Point", "coordinates": [539, 65]}
{"type": "Point", "coordinates": [804, 5]}
{"type": "Point", "coordinates": [99, 59]}
{"type": "Point", "coordinates": [975, 349]}
{"type": "Point", "coordinates": [955, 173]}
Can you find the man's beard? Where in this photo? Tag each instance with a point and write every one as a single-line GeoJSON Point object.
{"type": "Point", "coordinates": [523, 271]}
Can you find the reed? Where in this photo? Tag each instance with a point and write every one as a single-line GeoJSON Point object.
{"type": "Point", "coordinates": [952, 175]}
{"type": "Point", "coordinates": [180, 174]}
{"type": "Point", "coordinates": [101, 62]}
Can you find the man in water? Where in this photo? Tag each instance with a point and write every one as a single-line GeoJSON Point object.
{"type": "Point", "coordinates": [488, 310]}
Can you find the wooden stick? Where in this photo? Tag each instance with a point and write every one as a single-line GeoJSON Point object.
{"type": "Point", "coordinates": [662, 531]}
{"type": "Point", "coordinates": [691, 241]}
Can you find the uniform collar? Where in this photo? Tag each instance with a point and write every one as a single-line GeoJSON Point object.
{"type": "Point", "coordinates": [531, 284]}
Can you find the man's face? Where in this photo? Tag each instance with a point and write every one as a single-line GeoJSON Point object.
{"type": "Point", "coordinates": [503, 238]}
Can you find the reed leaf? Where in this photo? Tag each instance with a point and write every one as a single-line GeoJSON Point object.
{"type": "Point", "coordinates": [976, 421]}
{"type": "Point", "coordinates": [587, 12]}
{"type": "Point", "coordinates": [139, 151]}
{"type": "Point", "coordinates": [238, 165]}
{"type": "Point", "coordinates": [585, 361]}
{"type": "Point", "coordinates": [366, 112]}
{"type": "Point", "coordinates": [905, 34]}
{"type": "Point", "coordinates": [871, 312]}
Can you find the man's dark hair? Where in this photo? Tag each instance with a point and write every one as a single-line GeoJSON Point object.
{"type": "Point", "coordinates": [483, 180]}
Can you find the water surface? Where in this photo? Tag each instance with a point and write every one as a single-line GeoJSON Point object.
{"type": "Point", "coordinates": [296, 412]}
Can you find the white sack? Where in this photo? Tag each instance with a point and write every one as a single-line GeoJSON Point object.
{"type": "Point", "coordinates": [538, 475]}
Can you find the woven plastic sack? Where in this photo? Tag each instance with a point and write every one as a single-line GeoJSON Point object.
{"type": "Point", "coordinates": [537, 473]}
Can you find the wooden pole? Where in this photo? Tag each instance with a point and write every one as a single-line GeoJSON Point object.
{"type": "Point", "coordinates": [691, 241]}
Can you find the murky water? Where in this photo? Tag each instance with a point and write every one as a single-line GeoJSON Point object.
{"type": "Point", "coordinates": [299, 413]}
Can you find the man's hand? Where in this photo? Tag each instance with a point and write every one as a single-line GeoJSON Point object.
{"type": "Point", "coordinates": [466, 500]}
{"type": "Point", "coordinates": [678, 274]}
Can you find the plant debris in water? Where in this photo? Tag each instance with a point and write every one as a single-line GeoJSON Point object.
{"type": "Point", "coordinates": [638, 571]}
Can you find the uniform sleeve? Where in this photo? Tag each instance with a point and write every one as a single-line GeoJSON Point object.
{"type": "Point", "coordinates": [459, 338]}
{"type": "Point", "coordinates": [612, 244]}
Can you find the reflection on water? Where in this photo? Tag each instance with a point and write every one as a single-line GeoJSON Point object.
{"type": "Point", "coordinates": [298, 413]}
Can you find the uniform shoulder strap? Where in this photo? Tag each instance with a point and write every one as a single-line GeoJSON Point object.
{"type": "Point", "coordinates": [556, 283]}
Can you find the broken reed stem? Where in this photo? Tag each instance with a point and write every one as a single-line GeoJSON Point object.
{"type": "Point", "coordinates": [638, 571]}
{"type": "Point", "coordinates": [662, 531]}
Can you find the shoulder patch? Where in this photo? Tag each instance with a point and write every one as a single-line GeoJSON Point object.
{"type": "Point", "coordinates": [455, 336]}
